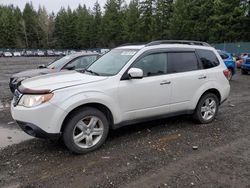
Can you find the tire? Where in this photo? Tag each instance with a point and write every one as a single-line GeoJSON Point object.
{"type": "Point", "coordinates": [243, 71]}
{"type": "Point", "coordinates": [202, 108]}
{"type": "Point", "coordinates": [80, 135]}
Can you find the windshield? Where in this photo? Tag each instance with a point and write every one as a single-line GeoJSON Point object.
{"type": "Point", "coordinates": [112, 62]}
{"type": "Point", "coordinates": [58, 64]}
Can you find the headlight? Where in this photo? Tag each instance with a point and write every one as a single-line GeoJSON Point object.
{"type": "Point", "coordinates": [34, 100]}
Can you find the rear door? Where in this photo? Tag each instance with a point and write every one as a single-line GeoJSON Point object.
{"type": "Point", "coordinates": [187, 76]}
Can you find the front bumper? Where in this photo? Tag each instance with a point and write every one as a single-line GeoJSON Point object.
{"type": "Point", "coordinates": [36, 131]}
{"type": "Point", "coordinates": [46, 117]}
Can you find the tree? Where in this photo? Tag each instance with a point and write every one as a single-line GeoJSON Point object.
{"type": "Point", "coordinates": [112, 23]}
{"type": "Point", "coordinates": [96, 27]}
{"type": "Point", "coordinates": [164, 9]}
{"type": "Point", "coordinates": [65, 29]}
{"type": "Point", "coordinates": [30, 26]}
{"type": "Point", "coordinates": [83, 23]}
{"type": "Point", "coordinates": [191, 19]}
{"type": "Point", "coordinates": [131, 30]}
{"type": "Point", "coordinates": [229, 19]}
{"type": "Point", "coordinates": [147, 20]}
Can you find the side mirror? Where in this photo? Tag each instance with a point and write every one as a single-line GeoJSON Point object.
{"type": "Point", "coordinates": [41, 66]}
{"type": "Point", "coordinates": [135, 73]}
{"type": "Point", "coordinates": [70, 67]}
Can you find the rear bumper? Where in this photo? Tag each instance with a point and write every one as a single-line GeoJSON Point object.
{"type": "Point", "coordinates": [37, 132]}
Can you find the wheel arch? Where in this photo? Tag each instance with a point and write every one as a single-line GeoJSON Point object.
{"type": "Point", "coordinates": [212, 90]}
{"type": "Point", "coordinates": [103, 108]}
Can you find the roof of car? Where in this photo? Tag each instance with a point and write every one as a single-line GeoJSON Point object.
{"type": "Point", "coordinates": [167, 44]}
{"type": "Point", "coordinates": [185, 46]}
{"type": "Point", "coordinates": [76, 54]}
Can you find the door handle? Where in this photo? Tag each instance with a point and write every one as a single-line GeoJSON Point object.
{"type": "Point", "coordinates": [165, 82]}
{"type": "Point", "coordinates": [202, 77]}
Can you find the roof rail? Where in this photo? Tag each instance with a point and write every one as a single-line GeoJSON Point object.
{"type": "Point", "coordinates": [188, 42]}
{"type": "Point", "coordinates": [133, 44]}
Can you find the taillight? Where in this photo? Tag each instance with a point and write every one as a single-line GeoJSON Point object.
{"type": "Point", "coordinates": [226, 73]}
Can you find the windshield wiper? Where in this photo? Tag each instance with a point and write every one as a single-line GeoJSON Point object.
{"type": "Point", "coordinates": [92, 72]}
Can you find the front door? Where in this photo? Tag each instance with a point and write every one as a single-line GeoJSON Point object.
{"type": "Point", "coordinates": [149, 96]}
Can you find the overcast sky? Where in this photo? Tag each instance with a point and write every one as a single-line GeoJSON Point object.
{"type": "Point", "coordinates": [53, 5]}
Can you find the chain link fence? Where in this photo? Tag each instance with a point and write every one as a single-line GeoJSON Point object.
{"type": "Point", "coordinates": [234, 48]}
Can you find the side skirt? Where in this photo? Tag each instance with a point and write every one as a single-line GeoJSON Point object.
{"type": "Point", "coordinates": [141, 120]}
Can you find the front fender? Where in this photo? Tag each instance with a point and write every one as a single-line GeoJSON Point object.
{"type": "Point", "coordinates": [78, 99]}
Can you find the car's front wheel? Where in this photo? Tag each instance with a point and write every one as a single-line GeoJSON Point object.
{"type": "Point", "coordinates": [85, 130]}
{"type": "Point", "coordinates": [207, 108]}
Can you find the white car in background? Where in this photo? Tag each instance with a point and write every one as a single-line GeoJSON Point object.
{"type": "Point", "coordinates": [129, 84]}
{"type": "Point", "coordinates": [16, 54]}
{"type": "Point", "coordinates": [7, 54]}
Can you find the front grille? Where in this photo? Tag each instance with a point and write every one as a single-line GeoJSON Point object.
{"type": "Point", "coordinates": [17, 97]}
{"type": "Point", "coordinates": [248, 61]}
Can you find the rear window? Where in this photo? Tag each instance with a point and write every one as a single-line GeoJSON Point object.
{"type": "Point", "coordinates": [223, 55]}
{"type": "Point", "coordinates": [208, 58]}
{"type": "Point", "coordinates": [182, 62]}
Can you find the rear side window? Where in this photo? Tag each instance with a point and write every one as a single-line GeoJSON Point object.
{"type": "Point", "coordinates": [208, 59]}
{"type": "Point", "coordinates": [182, 62]}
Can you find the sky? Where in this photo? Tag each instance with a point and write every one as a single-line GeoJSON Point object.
{"type": "Point", "coordinates": [53, 5]}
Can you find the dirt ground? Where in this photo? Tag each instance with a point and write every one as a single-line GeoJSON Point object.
{"type": "Point", "coordinates": [153, 154]}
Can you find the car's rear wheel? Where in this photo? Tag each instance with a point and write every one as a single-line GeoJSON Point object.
{"type": "Point", "coordinates": [243, 71]}
{"type": "Point", "coordinates": [207, 108]}
{"type": "Point", "coordinates": [85, 130]}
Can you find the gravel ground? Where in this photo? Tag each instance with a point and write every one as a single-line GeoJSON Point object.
{"type": "Point", "coordinates": [153, 154]}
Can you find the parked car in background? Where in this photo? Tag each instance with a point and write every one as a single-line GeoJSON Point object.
{"type": "Point", "coordinates": [59, 53]}
{"type": "Point", "coordinates": [39, 53]}
{"type": "Point", "coordinates": [245, 65]}
{"type": "Point", "coordinates": [17, 54]}
{"type": "Point", "coordinates": [7, 54]}
{"type": "Point", "coordinates": [229, 62]}
{"type": "Point", "coordinates": [50, 53]}
{"type": "Point", "coordinates": [129, 84]}
{"type": "Point", "coordinates": [77, 61]}
{"type": "Point", "coordinates": [28, 53]}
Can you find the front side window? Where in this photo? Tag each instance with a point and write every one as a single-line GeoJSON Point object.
{"type": "Point", "coordinates": [60, 63]}
{"type": "Point", "coordinates": [82, 62]}
{"type": "Point", "coordinates": [182, 62]}
{"type": "Point", "coordinates": [208, 58]}
{"type": "Point", "coordinates": [153, 64]}
{"type": "Point", "coordinates": [112, 62]}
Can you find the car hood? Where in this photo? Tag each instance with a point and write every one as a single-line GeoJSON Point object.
{"type": "Point", "coordinates": [60, 80]}
{"type": "Point", "coordinates": [33, 72]}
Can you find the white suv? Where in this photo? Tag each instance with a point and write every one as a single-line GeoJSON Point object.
{"type": "Point", "coordinates": [129, 84]}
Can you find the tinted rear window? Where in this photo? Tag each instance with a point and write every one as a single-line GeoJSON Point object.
{"type": "Point", "coordinates": [182, 62]}
{"type": "Point", "coordinates": [223, 55]}
{"type": "Point", "coordinates": [208, 58]}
